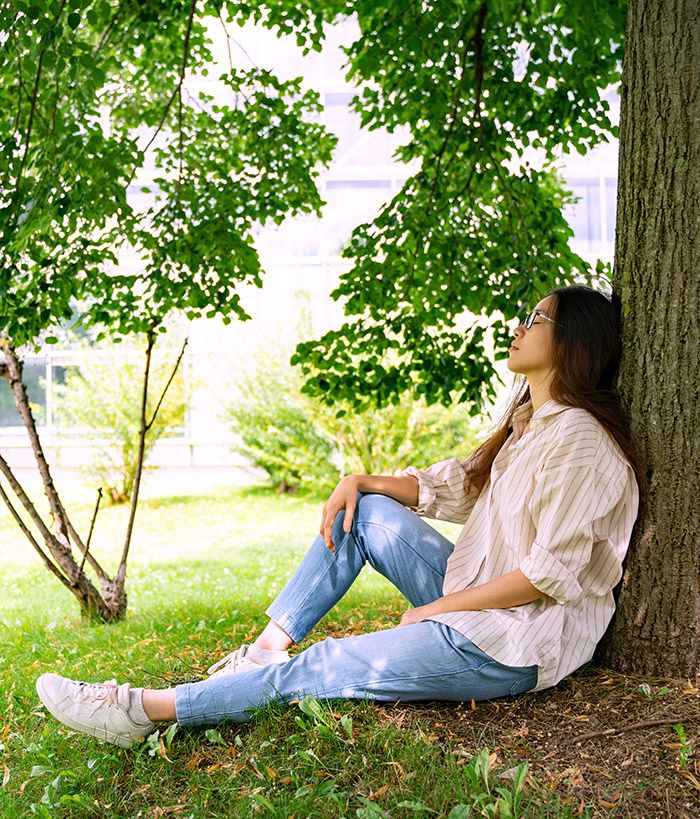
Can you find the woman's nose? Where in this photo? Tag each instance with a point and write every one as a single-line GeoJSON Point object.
{"type": "Point", "coordinates": [519, 331]}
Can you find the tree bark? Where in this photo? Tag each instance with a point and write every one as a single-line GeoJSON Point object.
{"type": "Point", "coordinates": [657, 274]}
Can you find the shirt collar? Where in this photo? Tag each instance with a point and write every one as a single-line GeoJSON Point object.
{"type": "Point", "coordinates": [524, 413]}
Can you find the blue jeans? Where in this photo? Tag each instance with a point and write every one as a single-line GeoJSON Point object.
{"type": "Point", "coordinates": [422, 661]}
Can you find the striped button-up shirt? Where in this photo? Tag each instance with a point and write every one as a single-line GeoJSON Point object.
{"type": "Point", "coordinates": [559, 505]}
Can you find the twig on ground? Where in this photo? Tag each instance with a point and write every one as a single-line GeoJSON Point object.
{"type": "Point", "coordinates": [632, 727]}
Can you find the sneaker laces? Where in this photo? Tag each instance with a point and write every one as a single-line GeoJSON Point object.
{"type": "Point", "coordinates": [230, 661]}
{"type": "Point", "coordinates": [101, 695]}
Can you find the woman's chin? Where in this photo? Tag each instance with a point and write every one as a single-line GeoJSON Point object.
{"type": "Point", "coordinates": [512, 366]}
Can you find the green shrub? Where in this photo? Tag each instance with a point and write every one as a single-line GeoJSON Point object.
{"type": "Point", "coordinates": [302, 444]}
{"type": "Point", "coordinates": [279, 430]}
{"type": "Point", "coordinates": [101, 400]}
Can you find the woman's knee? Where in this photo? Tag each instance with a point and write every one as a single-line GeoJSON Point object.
{"type": "Point", "coordinates": [380, 509]}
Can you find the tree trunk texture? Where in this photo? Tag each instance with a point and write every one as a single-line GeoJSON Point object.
{"type": "Point", "coordinates": [657, 275]}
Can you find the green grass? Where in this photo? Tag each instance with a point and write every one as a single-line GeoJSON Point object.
{"type": "Point", "coordinates": [202, 571]}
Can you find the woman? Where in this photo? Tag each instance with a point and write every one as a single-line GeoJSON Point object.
{"type": "Point", "coordinates": [519, 601]}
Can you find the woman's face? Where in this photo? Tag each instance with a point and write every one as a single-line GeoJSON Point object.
{"type": "Point", "coordinates": [532, 352]}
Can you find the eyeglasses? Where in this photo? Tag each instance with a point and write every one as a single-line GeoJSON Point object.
{"type": "Point", "coordinates": [530, 319]}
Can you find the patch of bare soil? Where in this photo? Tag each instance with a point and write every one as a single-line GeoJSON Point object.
{"type": "Point", "coordinates": [599, 738]}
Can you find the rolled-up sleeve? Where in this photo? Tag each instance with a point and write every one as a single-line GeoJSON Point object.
{"type": "Point", "coordinates": [442, 493]}
{"type": "Point", "coordinates": [568, 506]}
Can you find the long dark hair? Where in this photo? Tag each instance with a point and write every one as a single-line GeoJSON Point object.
{"type": "Point", "coordinates": [586, 346]}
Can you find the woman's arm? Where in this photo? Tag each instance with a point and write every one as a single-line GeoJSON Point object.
{"type": "Point", "coordinates": [504, 592]}
{"type": "Point", "coordinates": [404, 489]}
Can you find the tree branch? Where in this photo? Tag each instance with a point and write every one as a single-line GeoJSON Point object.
{"type": "Point", "coordinates": [121, 571]}
{"type": "Point", "coordinates": [183, 66]}
{"type": "Point", "coordinates": [46, 533]}
{"type": "Point", "coordinates": [19, 391]}
{"type": "Point", "coordinates": [92, 526]}
{"type": "Point", "coordinates": [477, 39]}
{"type": "Point", "coordinates": [108, 31]}
{"type": "Point", "coordinates": [30, 537]}
{"type": "Point", "coordinates": [58, 513]}
{"type": "Point", "coordinates": [30, 123]}
{"type": "Point", "coordinates": [167, 386]}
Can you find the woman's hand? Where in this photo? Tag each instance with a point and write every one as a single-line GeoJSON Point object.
{"type": "Point", "coordinates": [415, 615]}
{"type": "Point", "coordinates": [344, 496]}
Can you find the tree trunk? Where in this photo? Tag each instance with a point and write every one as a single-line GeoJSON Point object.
{"type": "Point", "coordinates": [657, 274]}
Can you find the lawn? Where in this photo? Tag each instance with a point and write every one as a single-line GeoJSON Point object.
{"type": "Point", "coordinates": [203, 568]}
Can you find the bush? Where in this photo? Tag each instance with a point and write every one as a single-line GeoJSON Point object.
{"type": "Point", "coordinates": [302, 444]}
{"type": "Point", "coordinates": [279, 430]}
{"type": "Point", "coordinates": [101, 399]}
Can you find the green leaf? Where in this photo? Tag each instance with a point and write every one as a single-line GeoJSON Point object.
{"type": "Point", "coordinates": [214, 737]}
{"type": "Point", "coordinates": [170, 734]}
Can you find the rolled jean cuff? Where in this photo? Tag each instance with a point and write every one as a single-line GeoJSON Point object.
{"type": "Point", "coordinates": [183, 706]}
{"type": "Point", "coordinates": [285, 622]}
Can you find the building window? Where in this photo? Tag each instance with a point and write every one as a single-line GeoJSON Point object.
{"type": "Point", "coordinates": [584, 215]}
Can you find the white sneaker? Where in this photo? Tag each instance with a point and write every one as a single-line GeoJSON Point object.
{"type": "Point", "coordinates": [101, 711]}
{"type": "Point", "coordinates": [245, 658]}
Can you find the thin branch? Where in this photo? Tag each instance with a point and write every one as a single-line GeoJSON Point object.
{"type": "Point", "coordinates": [30, 123]}
{"type": "Point", "coordinates": [92, 526]}
{"type": "Point", "coordinates": [632, 727]}
{"type": "Point", "coordinates": [121, 572]}
{"type": "Point", "coordinates": [20, 86]}
{"type": "Point", "coordinates": [84, 548]}
{"type": "Point", "coordinates": [26, 502]}
{"type": "Point", "coordinates": [30, 537]}
{"type": "Point", "coordinates": [477, 39]}
{"type": "Point", "coordinates": [228, 36]}
{"type": "Point", "coordinates": [183, 66]}
{"type": "Point", "coordinates": [230, 39]}
{"type": "Point", "coordinates": [167, 386]}
{"type": "Point", "coordinates": [108, 31]}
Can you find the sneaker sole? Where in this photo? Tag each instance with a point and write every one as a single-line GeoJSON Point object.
{"type": "Point", "coordinates": [91, 730]}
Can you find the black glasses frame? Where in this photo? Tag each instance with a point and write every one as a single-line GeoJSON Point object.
{"type": "Point", "coordinates": [530, 318]}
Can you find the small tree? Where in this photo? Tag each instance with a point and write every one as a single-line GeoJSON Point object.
{"type": "Point", "coordinates": [90, 90]}
{"type": "Point", "coordinates": [100, 398]}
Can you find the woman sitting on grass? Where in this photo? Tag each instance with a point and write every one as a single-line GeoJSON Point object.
{"type": "Point", "coordinates": [519, 602]}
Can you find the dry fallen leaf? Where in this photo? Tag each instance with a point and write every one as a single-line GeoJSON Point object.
{"type": "Point", "coordinates": [612, 803]}
{"type": "Point", "coordinates": [691, 778]}
{"type": "Point", "coordinates": [379, 792]}
{"type": "Point", "coordinates": [600, 771]}
{"type": "Point", "coordinates": [6, 777]}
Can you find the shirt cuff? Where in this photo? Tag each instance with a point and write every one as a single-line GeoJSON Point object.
{"type": "Point", "coordinates": [550, 576]}
{"type": "Point", "coordinates": [426, 490]}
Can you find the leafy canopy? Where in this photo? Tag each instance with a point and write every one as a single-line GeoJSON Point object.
{"type": "Point", "coordinates": [476, 228]}
{"type": "Point", "coordinates": [89, 89]}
